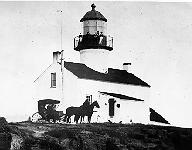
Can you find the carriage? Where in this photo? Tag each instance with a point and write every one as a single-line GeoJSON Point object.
{"type": "Point", "coordinates": [47, 111]}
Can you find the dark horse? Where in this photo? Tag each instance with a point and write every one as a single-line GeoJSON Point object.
{"type": "Point", "coordinates": [88, 111]}
{"type": "Point", "coordinates": [70, 111]}
{"type": "Point", "coordinates": [82, 111]}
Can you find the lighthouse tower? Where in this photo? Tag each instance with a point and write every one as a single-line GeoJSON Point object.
{"type": "Point", "coordinates": [94, 45]}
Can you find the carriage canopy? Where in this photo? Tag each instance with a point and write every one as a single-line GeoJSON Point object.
{"type": "Point", "coordinates": [48, 101]}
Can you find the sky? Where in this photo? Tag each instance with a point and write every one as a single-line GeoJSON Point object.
{"type": "Point", "coordinates": [155, 37]}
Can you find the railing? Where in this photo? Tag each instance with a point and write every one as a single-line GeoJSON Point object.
{"type": "Point", "coordinates": [93, 41]}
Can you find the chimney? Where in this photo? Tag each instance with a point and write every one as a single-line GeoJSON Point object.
{"type": "Point", "coordinates": [126, 66]}
{"type": "Point", "coordinates": [56, 56]}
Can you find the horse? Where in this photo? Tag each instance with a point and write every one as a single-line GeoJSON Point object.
{"type": "Point", "coordinates": [70, 111]}
{"type": "Point", "coordinates": [88, 111]}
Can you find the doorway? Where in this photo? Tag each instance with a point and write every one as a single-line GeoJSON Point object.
{"type": "Point", "coordinates": [111, 102]}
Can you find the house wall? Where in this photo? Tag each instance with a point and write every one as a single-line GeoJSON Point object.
{"type": "Point", "coordinates": [67, 92]}
{"type": "Point", "coordinates": [75, 90]}
{"type": "Point", "coordinates": [72, 93]}
{"type": "Point", "coordinates": [42, 85]}
{"type": "Point", "coordinates": [129, 110]}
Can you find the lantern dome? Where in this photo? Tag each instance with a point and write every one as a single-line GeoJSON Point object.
{"type": "Point", "coordinates": [93, 15]}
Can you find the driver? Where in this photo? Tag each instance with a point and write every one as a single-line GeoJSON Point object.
{"type": "Point", "coordinates": [86, 103]}
{"type": "Point", "coordinates": [51, 109]}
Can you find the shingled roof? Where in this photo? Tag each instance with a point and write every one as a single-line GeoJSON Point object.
{"type": "Point", "coordinates": [113, 75]}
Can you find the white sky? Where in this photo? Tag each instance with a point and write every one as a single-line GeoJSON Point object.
{"type": "Point", "coordinates": [155, 37]}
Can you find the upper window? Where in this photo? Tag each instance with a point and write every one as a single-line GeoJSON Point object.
{"type": "Point", "coordinates": [53, 80]}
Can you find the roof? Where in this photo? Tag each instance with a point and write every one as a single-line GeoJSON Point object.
{"type": "Point", "coordinates": [93, 15]}
{"type": "Point", "coordinates": [48, 101]}
{"type": "Point", "coordinates": [121, 96]}
{"type": "Point", "coordinates": [113, 75]}
{"type": "Point", "coordinates": [154, 116]}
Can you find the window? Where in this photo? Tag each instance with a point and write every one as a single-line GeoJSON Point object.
{"type": "Point", "coordinates": [53, 80]}
{"type": "Point", "coordinates": [118, 105]}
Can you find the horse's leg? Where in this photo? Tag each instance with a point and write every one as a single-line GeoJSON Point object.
{"type": "Point", "coordinates": [70, 119]}
{"type": "Point", "coordinates": [89, 119]}
{"type": "Point", "coordinates": [83, 118]}
{"type": "Point", "coordinates": [67, 119]}
{"type": "Point", "coordinates": [76, 118]}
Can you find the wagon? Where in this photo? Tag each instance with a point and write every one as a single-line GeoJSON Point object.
{"type": "Point", "coordinates": [47, 111]}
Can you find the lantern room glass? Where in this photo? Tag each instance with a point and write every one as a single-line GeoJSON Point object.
{"type": "Point", "coordinates": [92, 26]}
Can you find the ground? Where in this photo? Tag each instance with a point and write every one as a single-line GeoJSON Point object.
{"type": "Point", "coordinates": [98, 136]}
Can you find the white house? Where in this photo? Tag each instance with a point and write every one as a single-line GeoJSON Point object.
{"type": "Point", "coordinates": [122, 96]}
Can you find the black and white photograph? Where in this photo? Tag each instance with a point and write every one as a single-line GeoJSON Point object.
{"type": "Point", "coordinates": [95, 75]}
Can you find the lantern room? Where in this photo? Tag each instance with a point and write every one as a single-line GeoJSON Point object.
{"type": "Point", "coordinates": [94, 34]}
{"type": "Point", "coordinates": [94, 21]}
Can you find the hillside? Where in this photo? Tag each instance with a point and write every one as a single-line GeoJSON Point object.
{"type": "Point", "coordinates": [98, 136]}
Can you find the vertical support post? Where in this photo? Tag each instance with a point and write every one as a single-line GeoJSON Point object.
{"type": "Point", "coordinates": [62, 75]}
{"type": "Point", "coordinates": [61, 31]}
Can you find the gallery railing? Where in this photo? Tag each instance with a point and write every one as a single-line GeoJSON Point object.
{"type": "Point", "coordinates": [89, 41]}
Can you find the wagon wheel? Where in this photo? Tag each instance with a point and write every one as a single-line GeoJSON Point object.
{"type": "Point", "coordinates": [36, 117]}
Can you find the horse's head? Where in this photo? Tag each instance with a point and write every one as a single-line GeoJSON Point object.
{"type": "Point", "coordinates": [95, 103]}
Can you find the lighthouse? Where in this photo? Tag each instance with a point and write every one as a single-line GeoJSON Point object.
{"type": "Point", "coordinates": [121, 95]}
{"type": "Point", "coordinates": [94, 44]}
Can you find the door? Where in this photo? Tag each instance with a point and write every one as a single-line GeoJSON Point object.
{"type": "Point", "coordinates": [111, 107]}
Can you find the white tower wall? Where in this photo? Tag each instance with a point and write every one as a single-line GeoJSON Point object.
{"type": "Point", "coordinates": [96, 59]}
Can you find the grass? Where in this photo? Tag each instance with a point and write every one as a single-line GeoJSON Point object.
{"type": "Point", "coordinates": [95, 136]}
